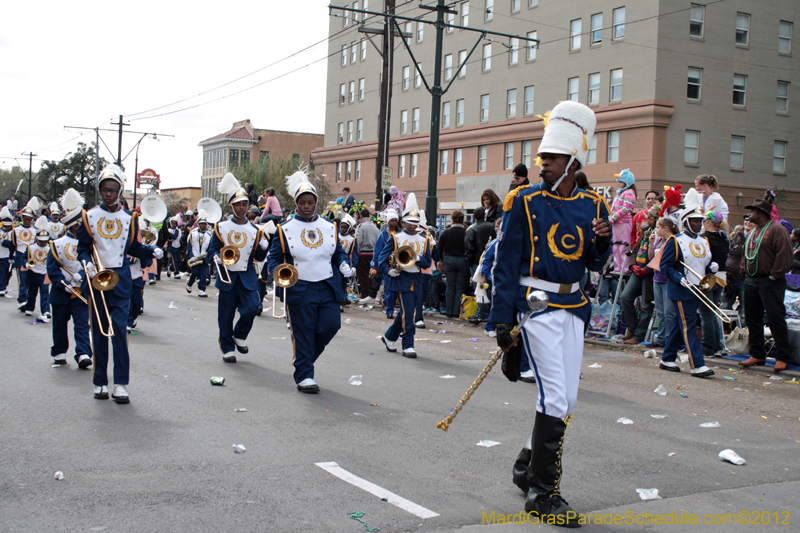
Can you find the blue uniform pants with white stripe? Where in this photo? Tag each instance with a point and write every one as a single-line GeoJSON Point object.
{"type": "Point", "coordinates": [403, 320]}
{"type": "Point", "coordinates": [36, 286]}
{"type": "Point", "coordinates": [553, 344]}
{"type": "Point", "coordinates": [79, 313]}
{"type": "Point", "coordinates": [137, 300]}
{"type": "Point", "coordinates": [314, 322]}
{"type": "Point", "coordinates": [684, 331]}
{"type": "Point", "coordinates": [4, 273]}
{"type": "Point", "coordinates": [199, 273]}
{"type": "Point", "coordinates": [19, 261]}
{"type": "Point", "coordinates": [246, 302]}
{"type": "Point", "coordinates": [118, 309]}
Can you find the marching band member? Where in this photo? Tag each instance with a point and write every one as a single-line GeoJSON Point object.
{"type": "Point", "coordinates": [137, 269]}
{"type": "Point", "coordinates": [108, 233]}
{"type": "Point", "coordinates": [405, 283]}
{"type": "Point", "coordinates": [264, 275]}
{"type": "Point", "coordinates": [309, 242]}
{"type": "Point", "coordinates": [196, 246]}
{"type": "Point", "coordinates": [37, 270]}
{"type": "Point", "coordinates": [426, 273]}
{"type": "Point", "coordinates": [63, 268]}
{"type": "Point", "coordinates": [6, 248]}
{"type": "Point", "coordinates": [574, 224]}
{"type": "Point", "coordinates": [22, 236]}
{"type": "Point", "coordinates": [174, 248]}
{"type": "Point", "coordinates": [391, 227]}
{"type": "Point", "coordinates": [241, 293]}
{"type": "Point", "coordinates": [347, 240]}
{"type": "Point", "coordinates": [56, 228]}
{"type": "Point", "coordinates": [692, 249]}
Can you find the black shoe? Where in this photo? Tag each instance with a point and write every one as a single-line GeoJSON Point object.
{"type": "Point", "coordinates": [669, 368]}
{"type": "Point", "coordinates": [241, 349]}
{"type": "Point", "coordinates": [310, 389]}
{"type": "Point", "coordinates": [551, 509]}
{"type": "Point", "coordinates": [259, 311]}
{"type": "Point", "coordinates": [229, 359]}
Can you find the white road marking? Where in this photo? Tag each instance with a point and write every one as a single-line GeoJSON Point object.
{"type": "Point", "coordinates": [380, 492]}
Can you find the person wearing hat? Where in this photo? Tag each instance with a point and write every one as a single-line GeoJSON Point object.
{"type": "Point", "coordinates": [767, 259]}
{"type": "Point", "coordinates": [137, 269]}
{"type": "Point", "coordinates": [309, 242]}
{"type": "Point", "coordinates": [253, 214]}
{"type": "Point", "coordinates": [347, 239]}
{"type": "Point", "coordinates": [6, 247]}
{"type": "Point", "coordinates": [348, 200]}
{"type": "Point", "coordinates": [407, 283]}
{"type": "Point", "coordinates": [197, 244]}
{"type": "Point", "coordinates": [387, 231]}
{"type": "Point", "coordinates": [22, 236]}
{"type": "Point", "coordinates": [519, 177]}
{"type": "Point", "coordinates": [56, 228]}
{"type": "Point", "coordinates": [551, 232]}
{"type": "Point", "coordinates": [70, 285]}
{"type": "Point", "coordinates": [640, 283]}
{"type": "Point", "coordinates": [174, 248]}
{"type": "Point", "coordinates": [37, 272]}
{"type": "Point", "coordinates": [106, 236]}
{"type": "Point", "coordinates": [621, 216]}
{"type": "Point", "coordinates": [238, 282]}
{"type": "Point", "coordinates": [691, 249]}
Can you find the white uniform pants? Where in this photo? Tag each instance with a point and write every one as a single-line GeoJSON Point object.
{"type": "Point", "coordinates": [553, 343]}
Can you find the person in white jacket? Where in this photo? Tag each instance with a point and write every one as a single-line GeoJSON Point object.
{"type": "Point", "coordinates": [707, 185]}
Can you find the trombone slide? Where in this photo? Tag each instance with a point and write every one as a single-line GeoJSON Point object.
{"type": "Point", "coordinates": [110, 331]}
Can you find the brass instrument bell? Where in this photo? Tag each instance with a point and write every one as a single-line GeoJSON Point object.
{"type": "Point", "coordinates": [403, 258]}
{"type": "Point", "coordinates": [230, 255]}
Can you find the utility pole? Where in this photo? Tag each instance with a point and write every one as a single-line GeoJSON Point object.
{"type": "Point", "coordinates": [119, 146]}
{"type": "Point", "coordinates": [30, 173]}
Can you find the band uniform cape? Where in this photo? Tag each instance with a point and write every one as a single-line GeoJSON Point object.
{"type": "Point", "coordinates": [550, 238]}
{"type": "Point", "coordinates": [245, 237]}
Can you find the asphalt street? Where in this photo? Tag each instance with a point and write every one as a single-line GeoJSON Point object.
{"type": "Point", "coordinates": [165, 462]}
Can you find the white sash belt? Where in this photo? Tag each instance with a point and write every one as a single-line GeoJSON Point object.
{"type": "Point", "coordinates": [558, 288]}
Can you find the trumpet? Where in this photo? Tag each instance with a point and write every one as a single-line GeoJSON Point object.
{"type": "Point", "coordinates": [285, 276]}
{"type": "Point", "coordinates": [104, 280]}
{"type": "Point", "coordinates": [228, 255]}
{"type": "Point", "coordinates": [31, 262]}
{"type": "Point", "coordinates": [403, 258]}
{"type": "Point", "coordinates": [194, 261]}
{"type": "Point", "coordinates": [707, 282]}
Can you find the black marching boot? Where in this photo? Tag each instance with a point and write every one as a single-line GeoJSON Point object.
{"type": "Point", "coordinates": [520, 471]}
{"type": "Point", "coordinates": [544, 497]}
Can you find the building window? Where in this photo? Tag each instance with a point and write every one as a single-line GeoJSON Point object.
{"type": "Point", "coordinates": [594, 88]}
{"type": "Point", "coordinates": [415, 120]}
{"type": "Point", "coordinates": [401, 167]}
{"type": "Point", "coordinates": [481, 159]}
{"type": "Point", "coordinates": [349, 131]}
{"type": "Point", "coordinates": [694, 83]}
{"type": "Point", "coordinates": [234, 157]}
{"type": "Point", "coordinates": [352, 92]}
{"type": "Point", "coordinates": [737, 152]}
{"type": "Point", "coordinates": [360, 130]}
{"type": "Point", "coordinates": [358, 170]}
{"type": "Point", "coordinates": [515, 4]}
{"type": "Point", "coordinates": [488, 13]}
{"type": "Point", "coordinates": [696, 15]}
{"type": "Point", "coordinates": [344, 55]}
{"type": "Point", "coordinates": [338, 172]}
{"type": "Point", "coordinates": [446, 114]}
{"type": "Point", "coordinates": [616, 84]}
{"type": "Point", "coordinates": [782, 102]}
{"type": "Point", "coordinates": [361, 86]}
{"type": "Point", "coordinates": [355, 15]}
{"type": "Point", "coordinates": [462, 63]}
{"type": "Point", "coordinates": [528, 100]}
{"type": "Point", "coordinates": [591, 154]}
{"type": "Point", "coordinates": [613, 147]}
{"type": "Point", "coordinates": [779, 157]}
{"type": "Point", "coordinates": [403, 122]}
{"type": "Point", "coordinates": [363, 49]}
{"type": "Point", "coordinates": [342, 94]}
{"type": "Point", "coordinates": [530, 48]}
{"type": "Point", "coordinates": [597, 28]}
{"type": "Point", "coordinates": [572, 89]}
{"type": "Point", "coordinates": [509, 157]}
{"type": "Point", "coordinates": [513, 51]}
{"type": "Point", "coordinates": [413, 165]}
{"type": "Point", "coordinates": [340, 137]}
{"type": "Point", "coordinates": [742, 29]}
{"type": "Point", "coordinates": [533, 3]}
{"type": "Point", "coordinates": [420, 27]}
{"type": "Point", "coordinates": [451, 20]}
{"type": "Point", "coordinates": [526, 153]}
{"type": "Point", "coordinates": [460, 112]}
{"type": "Point", "coordinates": [448, 66]}
{"type": "Point", "coordinates": [443, 162]}
{"type": "Point", "coordinates": [406, 77]}
{"type": "Point", "coordinates": [739, 89]}
{"type": "Point", "coordinates": [484, 107]}
{"type": "Point", "coordinates": [457, 161]}
{"type": "Point", "coordinates": [245, 157]}
{"type": "Point", "coordinates": [785, 37]}
{"type": "Point", "coordinates": [487, 57]}
{"type": "Point", "coordinates": [418, 76]}
{"type": "Point", "coordinates": [465, 14]}
{"type": "Point", "coordinates": [618, 31]}
{"type": "Point", "coordinates": [691, 147]}
{"type": "Point", "coordinates": [575, 34]}
{"type": "Point", "coordinates": [511, 103]}
{"type": "Point", "coordinates": [348, 168]}
{"type": "Point", "coordinates": [409, 32]}
{"type": "Point", "coordinates": [353, 52]}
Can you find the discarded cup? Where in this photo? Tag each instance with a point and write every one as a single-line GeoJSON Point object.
{"type": "Point", "coordinates": [650, 354]}
{"type": "Point", "coordinates": [488, 443]}
{"type": "Point", "coordinates": [731, 456]}
{"type": "Point", "coordinates": [648, 494]}
{"type": "Point", "coordinates": [714, 424]}
{"type": "Point", "coordinates": [218, 381]}
{"type": "Point", "coordinates": [661, 390]}
{"type": "Point", "coordinates": [626, 421]}
{"type": "Point", "coordinates": [60, 475]}
{"type": "Point", "coordinates": [239, 448]}
{"type": "Point", "coordinates": [596, 365]}
{"type": "Point", "coordinates": [659, 416]}
{"type": "Point", "coordinates": [354, 380]}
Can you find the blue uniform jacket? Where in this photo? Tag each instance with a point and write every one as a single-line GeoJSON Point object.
{"type": "Point", "coordinates": [670, 265]}
{"type": "Point", "coordinates": [279, 253]}
{"type": "Point", "coordinates": [59, 295]}
{"type": "Point", "coordinates": [383, 238]}
{"type": "Point", "coordinates": [405, 281]}
{"type": "Point", "coordinates": [132, 247]}
{"type": "Point", "coordinates": [249, 277]}
{"type": "Point", "coordinates": [352, 254]}
{"type": "Point", "coordinates": [488, 259]}
{"type": "Point", "coordinates": [550, 238]}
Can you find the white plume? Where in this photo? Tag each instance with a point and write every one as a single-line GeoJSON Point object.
{"type": "Point", "coordinates": [423, 220]}
{"type": "Point", "coordinates": [54, 207]}
{"type": "Point", "coordinates": [202, 214]}
{"type": "Point", "coordinates": [42, 223]}
{"type": "Point", "coordinates": [411, 202]}
{"type": "Point", "coordinates": [692, 199]}
{"type": "Point", "coordinates": [349, 220]}
{"type": "Point", "coordinates": [71, 200]}
{"type": "Point", "coordinates": [5, 213]}
{"type": "Point", "coordinates": [228, 184]}
{"type": "Point", "coordinates": [294, 182]}
{"type": "Point", "coordinates": [34, 204]}
{"type": "Point", "coordinates": [269, 228]}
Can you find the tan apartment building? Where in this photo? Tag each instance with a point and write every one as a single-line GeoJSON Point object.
{"type": "Point", "coordinates": [679, 89]}
{"type": "Point", "coordinates": [243, 144]}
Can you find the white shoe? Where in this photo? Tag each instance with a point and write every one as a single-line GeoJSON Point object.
{"type": "Point", "coordinates": [188, 287]}
{"type": "Point", "coordinates": [419, 324]}
{"type": "Point", "coordinates": [101, 392]}
{"type": "Point", "coordinates": [202, 294]}
{"type": "Point", "coordinates": [391, 346]}
{"type": "Point", "coordinates": [84, 361]}
{"type": "Point", "coordinates": [307, 382]}
{"type": "Point", "coordinates": [369, 300]}
{"type": "Point", "coordinates": [2, 293]}
{"type": "Point", "coordinates": [60, 359]}
{"type": "Point", "coordinates": [48, 315]}
{"type": "Point", "coordinates": [491, 333]}
{"type": "Point", "coordinates": [42, 318]}
{"type": "Point", "coordinates": [177, 276]}
{"type": "Point", "coordinates": [120, 395]}
{"type": "Point", "coordinates": [410, 353]}
{"type": "Point", "coordinates": [130, 330]}
{"type": "Point", "coordinates": [28, 313]}
{"type": "Point", "coordinates": [241, 346]}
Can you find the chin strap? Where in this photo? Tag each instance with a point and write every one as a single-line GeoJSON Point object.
{"type": "Point", "coordinates": [566, 170]}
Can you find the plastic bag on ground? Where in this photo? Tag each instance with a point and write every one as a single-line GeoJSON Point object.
{"type": "Point", "coordinates": [648, 494]}
{"type": "Point", "coordinates": [354, 380]}
{"type": "Point", "coordinates": [626, 421]}
{"type": "Point", "coordinates": [661, 390]}
{"type": "Point", "coordinates": [714, 424]}
{"type": "Point", "coordinates": [731, 456]}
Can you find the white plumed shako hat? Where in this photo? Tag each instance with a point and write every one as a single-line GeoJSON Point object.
{"type": "Point", "coordinates": [72, 204]}
{"type": "Point", "coordinates": [569, 129]}
{"type": "Point", "coordinates": [232, 189]}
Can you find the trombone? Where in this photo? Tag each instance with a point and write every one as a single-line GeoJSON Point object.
{"type": "Point", "coordinates": [69, 287]}
{"type": "Point", "coordinates": [197, 260]}
{"type": "Point", "coordinates": [228, 256]}
{"type": "Point", "coordinates": [403, 258]}
{"type": "Point", "coordinates": [707, 282]}
{"type": "Point", "coordinates": [285, 276]}
{"type": "Point", "coordinates": [104, 280]}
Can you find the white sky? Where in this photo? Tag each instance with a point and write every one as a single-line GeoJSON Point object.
{"type": "Point", "coordinates": [84, 63]}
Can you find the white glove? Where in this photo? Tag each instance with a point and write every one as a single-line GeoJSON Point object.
{"type": "Point", "coordinates": [345, 269]}
{"type": "Point", "coordinates": [686, 283]}
{"type": "Point", "coordinates": [714, 267]}
{"type": "Point", "coordinates": [264, 244]}
{"type": "Point", "coordinates": [90, 270]}
{"type": "Point", "coordinates": [76, 279]}
{"type": "Point", "coordinates": [393, 273]}
{"type": "Point", "coordinates": [419, 258]}
{"type": "Point", "coordinates": [158, 253]}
